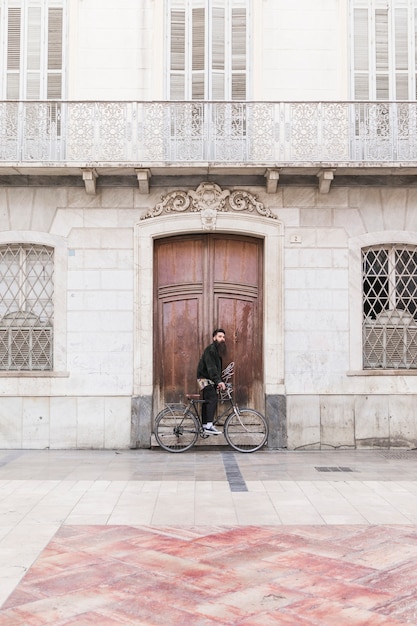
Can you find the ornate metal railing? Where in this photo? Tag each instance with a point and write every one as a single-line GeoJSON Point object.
{"type": "Point", "coordinates": [265, 133]}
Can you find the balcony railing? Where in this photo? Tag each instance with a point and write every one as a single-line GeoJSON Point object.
{"type": "Point", "coordinates": [253, 133]}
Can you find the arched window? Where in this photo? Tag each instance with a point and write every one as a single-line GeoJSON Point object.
{"type": "Point", "coordinates": [389, 296]}
{"type": "Point", "coordinates": [26, 307]}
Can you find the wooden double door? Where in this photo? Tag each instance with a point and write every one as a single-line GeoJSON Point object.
{"type": "Point", "coordinates": [204, 282]}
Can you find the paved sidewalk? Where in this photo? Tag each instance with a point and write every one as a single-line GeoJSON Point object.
{"type": "Point", "coordinates": [208, 537]}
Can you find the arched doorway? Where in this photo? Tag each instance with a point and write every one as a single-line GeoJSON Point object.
{"type": "Point", "coordinates": [228, 214]}
{"type": "Point", "coordinates": [203, 281]}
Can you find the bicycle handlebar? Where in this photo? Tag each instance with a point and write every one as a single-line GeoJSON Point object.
{"type": "Point", "coordinates": [225, 394]}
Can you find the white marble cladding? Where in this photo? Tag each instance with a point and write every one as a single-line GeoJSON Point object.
{"type": "Point", "coordinates": [320, 422]}
{"type": "Point", "coordinates": [64, 422]}
{"type": "Point", "coordinates": [88, 402]}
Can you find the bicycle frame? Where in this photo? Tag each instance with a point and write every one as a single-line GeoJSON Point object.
{"type": "Point", "coordinates": [193, 405]}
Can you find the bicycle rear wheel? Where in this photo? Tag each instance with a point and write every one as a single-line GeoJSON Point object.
{"type": "Point", "coordinates": [246, 430]}
{"type": "Point", "coordinates": [176, 429]}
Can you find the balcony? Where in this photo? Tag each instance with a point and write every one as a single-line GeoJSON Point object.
{"type": "Point", "coordinates": [293, 138]}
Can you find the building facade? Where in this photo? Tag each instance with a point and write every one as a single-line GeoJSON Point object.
{"type": "Point", "coordinates": [169, 166]}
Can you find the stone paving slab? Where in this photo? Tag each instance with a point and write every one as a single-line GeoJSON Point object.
{"type": "Point", "coordinates": [299, 575]}
{"type": "Point", "coordinates": [303, 538]}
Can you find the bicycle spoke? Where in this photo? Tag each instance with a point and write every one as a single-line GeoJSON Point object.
{"type": "Point", "coordinates": [246, 430]}
{"type": "Point", "coordinates": [176, 430]}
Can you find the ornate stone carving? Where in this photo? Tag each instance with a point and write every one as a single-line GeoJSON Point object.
{"type": "Point", "coordinates": [208, 219]}
{"type": "Point", "coordinates": [208, 196]}
{"type": "Point", "coordinates": [208, 199]}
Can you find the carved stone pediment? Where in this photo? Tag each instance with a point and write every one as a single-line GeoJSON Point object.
{"type": "Point", "coordinates": [209, 199]}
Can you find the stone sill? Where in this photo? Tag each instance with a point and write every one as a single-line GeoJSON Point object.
{"type": "Point", "coordinates": [40, 374]}
{"type": "Point", "coordinates": [379, 372]}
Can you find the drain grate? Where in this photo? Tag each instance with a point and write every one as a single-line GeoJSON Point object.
{"type": "Point", "coordinates": [333, 469]}
{"type": "Point", "coordinates": [398, 454]}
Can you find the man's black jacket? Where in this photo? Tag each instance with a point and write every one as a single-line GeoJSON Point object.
{"type": "Point", "coordinates": [210, 364]}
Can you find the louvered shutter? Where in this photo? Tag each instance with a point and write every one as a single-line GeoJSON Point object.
{"type": "Point", "coordinates": [238, 91]}
{"type": "Point", "coordinates": [361, 54]}
{"type": "Point", "coordinates": [218, 53]}
{"type": "Point", "coordinates": [55, 51]}
{"type": "Point", "coordinates": [401, 61]}
{"type": "Point", "coordinates": [414, 58]}
{"type": "Point", "coordinates": [208, 49]}
{"type": "Point", "coordinates": [177, 55]}
{"type": "Point", "coordinates": [198, 54]}
{"type": "Point", "coordinates": [34, 49]}
{"type": "Point", "coordinates": [382, 90]}
{"type": "Point", "coordinates": [13, 53]}
{"type": "Point", "coordinates": [384, 51]}
{"type": "Point", "coordinates": [33, 62]}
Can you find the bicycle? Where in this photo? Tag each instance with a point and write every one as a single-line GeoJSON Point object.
{"type": "Point", "coordinates": [178, 426]}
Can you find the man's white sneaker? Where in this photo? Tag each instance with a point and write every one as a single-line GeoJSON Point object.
{"type": "Point", "coordinates": [211, 430]}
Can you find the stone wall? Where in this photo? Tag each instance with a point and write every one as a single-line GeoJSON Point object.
{"type": "Point", "coordinates": [312, 336]}
{"type": "Point", "coordinates": [356, 421]}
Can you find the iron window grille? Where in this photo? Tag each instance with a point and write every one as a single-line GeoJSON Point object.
{"type": "Point", "coordinates": [26, 307]}
{"type": "Point", "coordinates": [389, 282]}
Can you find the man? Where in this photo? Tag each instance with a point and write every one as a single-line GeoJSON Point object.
{"type": "Point", "coordinates": [209, 378]}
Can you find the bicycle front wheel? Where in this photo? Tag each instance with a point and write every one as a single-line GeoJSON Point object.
{"type": "Point", "coordinates": [176, 429]}
{"type": "Point", "coordinates": [246, 430]}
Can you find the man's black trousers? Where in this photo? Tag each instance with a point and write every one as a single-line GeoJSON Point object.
{"type": "Point", "coordinates": [210, 405]}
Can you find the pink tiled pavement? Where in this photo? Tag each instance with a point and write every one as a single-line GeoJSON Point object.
{"type": "Point", "coordinates": [249, 576]}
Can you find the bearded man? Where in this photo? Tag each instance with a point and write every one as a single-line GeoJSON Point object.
{"type": "Point", "coordinates": [209, 378]}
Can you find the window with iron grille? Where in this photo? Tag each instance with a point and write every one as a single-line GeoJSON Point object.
{"type": "Point", "coordinates": [389, 284]}
{"type": "Point", "coordinates": [26, 307]}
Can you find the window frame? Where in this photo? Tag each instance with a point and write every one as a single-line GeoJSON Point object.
{"type": "Point", "coordinates": [38, 56]}
{"type": "Point", "coordinates": [188, 6]}
{"type": "Point", "coordinates": [356, 245]}
{"type": "Point", "coordinates": [27, 317]}
{"type": "Point", "coordinates": [389, 295]}
{"type": "Point", "coordinates": [59, 299]}
{"type": "Point", "coordinates": [395, 62]}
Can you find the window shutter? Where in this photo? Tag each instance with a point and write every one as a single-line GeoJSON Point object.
{"type": "Point", "coordinates": [13, 53]}
{"type": "Point", "coordinates": [361, 55]}
{"type": "Point", "coordinates": [55, 36]}
{"type": "Point", "coordinates": [208, 46]}
{"type": "Point", "coordinates": [34, 49]}
{"type": "Point", "coordinates": [33, 61]}
{"type": "Point", "coordinates": [381, 54]}
{"type": "Point", "coordinates": [385, 35]}
{"type": "Point", "coordinates": [198, 54]}
{"type": "Point", "coordinates": [401, 40]}
{"type": "Point", "coordinates": [177, 55]}
{"type": "Point", "coordinates": [415, 54]}
{"type": "Point", "coordinates": [238, 54]}
{"type": "Point", "coordinates": [218, 51]}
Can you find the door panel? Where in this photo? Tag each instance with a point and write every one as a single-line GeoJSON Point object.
{"type": "Point", "coordinates": [236, 261]}
{"type": "Point", "coordinates": [179, 325]}
{"type": "Point", "coordinates": [179, 261]}
{"type": "Point", "coordinates": [241, 315]}
{"type": "Point", "coordinates": [203, 282]}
